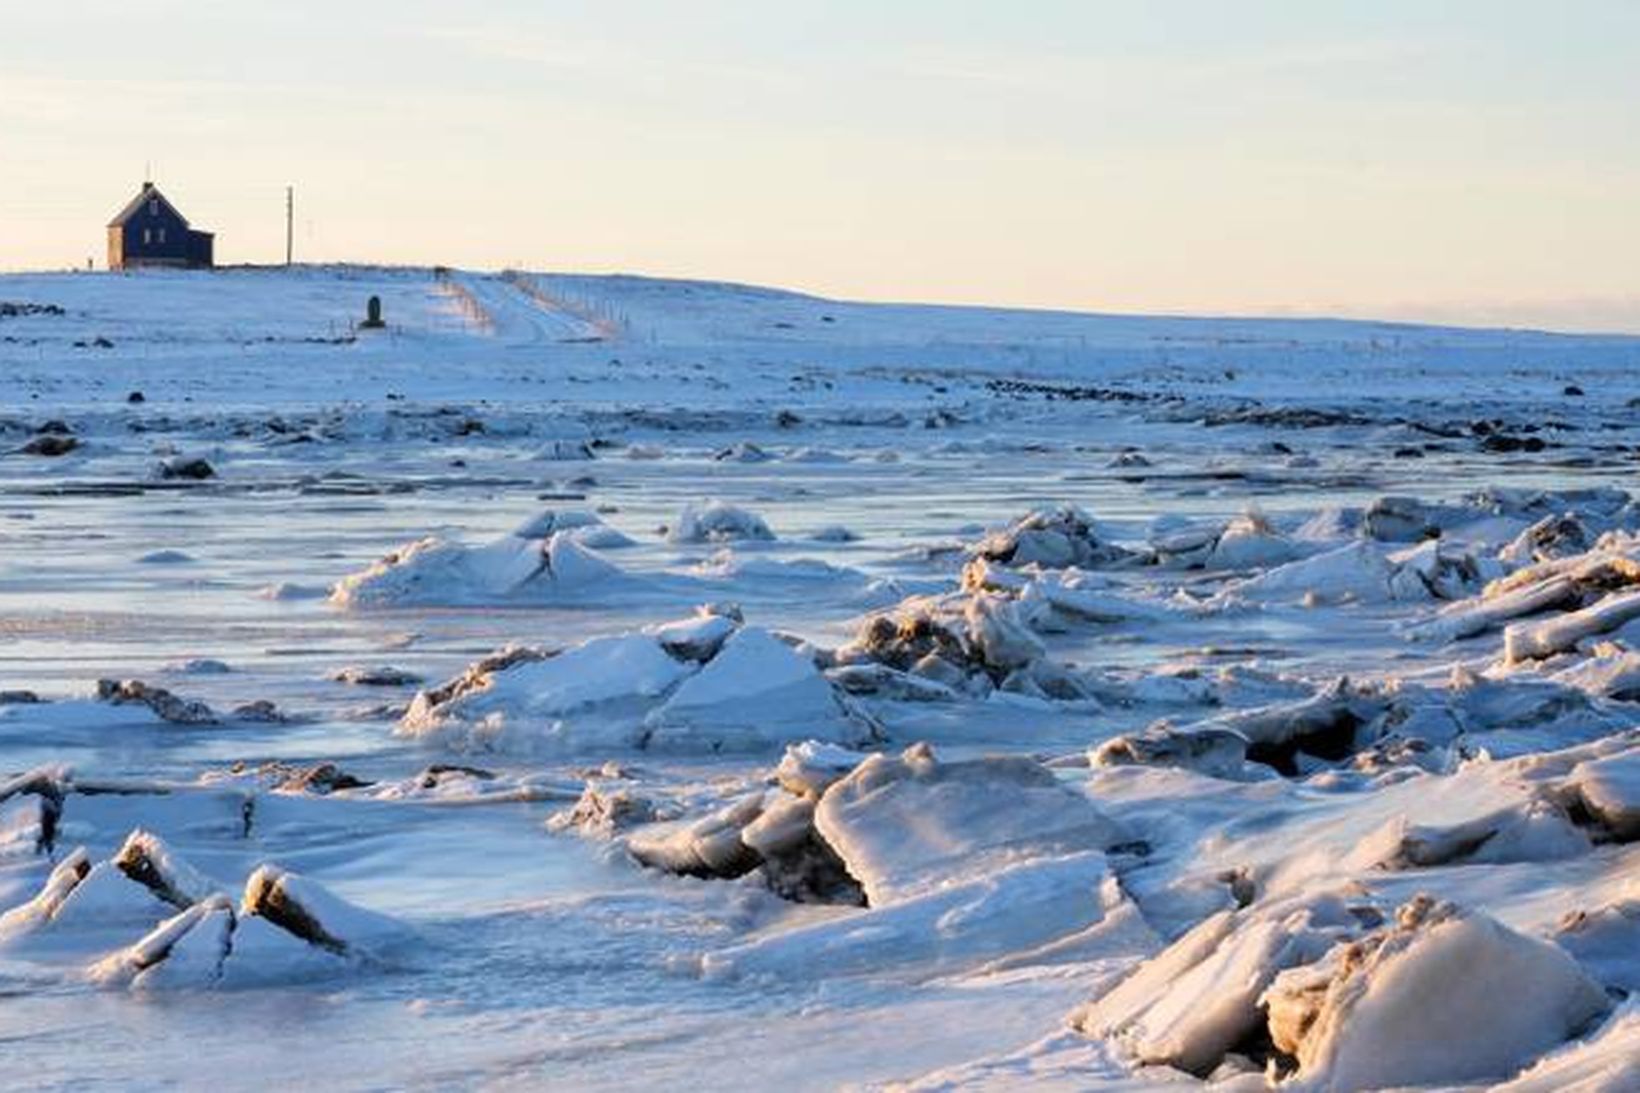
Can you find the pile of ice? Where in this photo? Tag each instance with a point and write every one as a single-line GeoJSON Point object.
{"type": "Point", "coordinates": [285, 927]}
{"type": "Point", "coordinates": [1362, 555]}
{"type": "Point", "coordinates": [1568, 812]}
{"type": "Point", "coordinates": [1333, 993]}
{"type": "Point", "coordinates": [708, 683]}
{"type": "Point", "coordinates": [1528, 524]}
{"type": "Point", "coordinates": [1052, 538]}
{"type": "Point", "coordinates": [955, 863]}
{"type": "Point", "coordinates": [717, 522]}
{"type": "Point", "coordinates": [1248, 541]}
{"type": "Point", "coordinates": [988, 641]}
{"type": "Point", "coordinates": [1066, 537]}
{"type": "Point", "coordinates": [1056, 600]}
{"type": "Point", "coordinates": [1594, 591]}
{"type": "Point", "coordinates": [1363, 572]}
{"type": "Point", "coordinates": [1371, 726]}
{"type": "Point", "coordinates": [550, 559]}
{"type": "Point", "coordinates": [969, 646]}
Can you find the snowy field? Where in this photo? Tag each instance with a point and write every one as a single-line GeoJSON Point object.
{"type": "Point", "coordinates": [617, 683]}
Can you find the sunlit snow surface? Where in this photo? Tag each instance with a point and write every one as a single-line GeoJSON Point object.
{"type": "Point", "coordinates": [686, 503]}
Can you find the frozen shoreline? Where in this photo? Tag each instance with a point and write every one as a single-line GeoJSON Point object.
{"type": "Point", "coordinates": [887, 451]}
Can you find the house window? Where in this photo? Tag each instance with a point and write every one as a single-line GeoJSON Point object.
{"type": "Point", "coordinates": [153, 207]}
{"type": "Point", "coordinates": [162, 235]}
{"type": "Point", "coordinates": [147, 235]}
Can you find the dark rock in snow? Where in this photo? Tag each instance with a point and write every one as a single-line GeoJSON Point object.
{"type": "Point", "coordinates": [49, 445]}
{"type": "Point", "coordinates": [438, 773]}
{"type": "Point", "coordinates": [261, 710]}
{"type": "Point", "coordinates": [378, 676]}
{"type": "Point", "coordinates": [196, 469]}
{"type": "Point", "coordinates": [321, 779]}
{"type": "Point", "coordinates": [166, 706]}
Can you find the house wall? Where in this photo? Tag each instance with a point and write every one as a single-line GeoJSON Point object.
{"type": "Point", "coordinates": [201, 248]}
{"type": "Point", "coordinates": [154, 236]}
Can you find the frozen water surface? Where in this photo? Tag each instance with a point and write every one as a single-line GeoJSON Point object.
{"type": "Point", "coordinates": [1287, 744]}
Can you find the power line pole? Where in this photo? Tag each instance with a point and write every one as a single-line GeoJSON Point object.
{"type": "Point", "coordinates": [290, 219]}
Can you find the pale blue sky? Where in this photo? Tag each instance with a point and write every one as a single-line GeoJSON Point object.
{"type": "Point", "coordinates": [1467, 161]}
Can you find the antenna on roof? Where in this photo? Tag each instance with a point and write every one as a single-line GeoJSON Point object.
{"type": "Point", "coordinates": [147, 174]}
{"type": "Point", "coordinates": [290, 220]}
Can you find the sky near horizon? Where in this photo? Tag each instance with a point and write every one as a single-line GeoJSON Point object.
{"type": "Point", "coordinates": [1474, 162]}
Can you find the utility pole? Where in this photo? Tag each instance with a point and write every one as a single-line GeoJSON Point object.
{"type": "Point", "coordinates": [290, 219]}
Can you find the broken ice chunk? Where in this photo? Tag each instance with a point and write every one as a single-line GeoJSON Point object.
{"type": "Point", "coordinates": [63, 879]}
{"type": "Point", "coordinates": [308, 910]}
{"type": "Point", "coordinates": [601, 811]}
{"type": "Point", "coordinates": [1608, 790]}
{"type": "Point", "coordinates": [808, 768]}
{"type": "Point", "coordinates": [756, 692]}
{"type": "Point", "coordinates": [1189, 1005]}
{"type": "Point", "coordinates": [108, 896]}
{"type": "Point", "coordinates": [707, 847]}
{"type": "Point", "coordinates": [185, 950]}
{"type": "Point", "coordinates": [146, 859]}
{"type": "Point", "coordinates": [436, 572]}
{"type": "Point", "coordinates": [1537, 640]}
{"type": "Point", "coordinates": [1052, 538]}
{"type": "Point", "coordinates": [528, 687]}
{"type": "Point", "coordinates": [906, 824]}
{"type": "Point", "coordinates": [1015, 907]}
{"type": "Point", "coordinates": [697, 639]}
{"type": "Point", "coordinates": [1442, 996]}
{"type": "Point", "coordinates": [717, 522]}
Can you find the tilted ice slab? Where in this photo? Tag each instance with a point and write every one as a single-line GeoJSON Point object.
{"type": "Point", "coordinates": [189, 934]}
{"type": "Point", "coordinates": [960, 863]}
{"type": "Point", "coordinates": [702, 685]}
{"type": "Point", "coordinates": [505, 707]}
{"type": "Point", "coordinates": [1531, 641]}
{"type": "Point", "coordinates": [1193, 1002]}
{"type": "Point", "coordinates": [186, 950]}
{"type": "Point", "coordinates": [286, 928]}
{"type": "Point", "coordinates": [1015, 909]}
{"type": "Point", "coordinates": [1606, 940]}
{"type": "Point", "coordinates": [756, 692]}
{"type": "Point", "coordinates": [144, 881]}
{"type": "Point", "coordinates": [1441, 996]}
{"type": "Point", "coordinates": [908, 824]}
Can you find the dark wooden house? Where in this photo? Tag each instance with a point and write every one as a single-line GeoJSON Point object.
{"type": "Point", "coordinates": [150, 232]}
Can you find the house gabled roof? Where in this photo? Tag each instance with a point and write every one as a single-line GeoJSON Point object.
{"type": "Point", "coordinates": [149, 192]}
